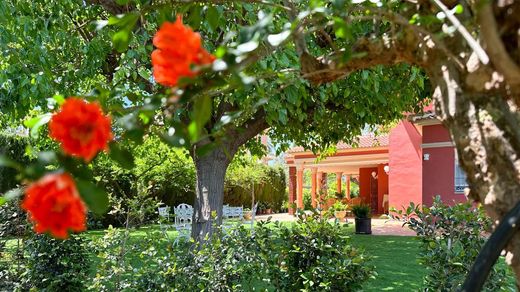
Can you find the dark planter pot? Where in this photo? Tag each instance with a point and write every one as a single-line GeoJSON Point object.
{"type": "Point", "coordinates": [363, 225]}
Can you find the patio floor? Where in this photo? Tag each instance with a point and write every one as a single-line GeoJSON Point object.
{"type": "Point", "coordinates": [379, 226]}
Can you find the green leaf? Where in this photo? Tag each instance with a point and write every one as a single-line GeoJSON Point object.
{"type": "Point", "coordinates": [94, 197]}
{"type": "Point", "coordinates": [120, 40]}
{"type": "Point", "coordinates": [2, 201]}
{"type": "Point", "coordinates": [60, 99]}
{"type": "Point", "coordinates": [282, 116]}
{"type": "Point", "coordinates": [8, 162]}
{"type": "Point", "coordinates": [122, 156]}
{"type": "Point", "coordinates": [36, 123]}
{"type": "Point", "coordinates": [213, 17]}
{"type": "Point", "coordinates": [201, 114]}
{"type": "Point", "coordinates": [205, 149]}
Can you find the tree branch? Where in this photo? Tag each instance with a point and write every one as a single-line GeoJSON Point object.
{"type": "Point", "coordinates": [494, 45]}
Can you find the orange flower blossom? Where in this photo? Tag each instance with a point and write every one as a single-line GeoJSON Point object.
{"type": "Point", "coordinates": [178, 48]}
{"type": "Point", "coordinates": [54, 205]}
{"type": "Point", "coordinates": [81, 128]}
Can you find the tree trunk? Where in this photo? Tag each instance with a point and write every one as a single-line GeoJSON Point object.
{"type": "Point", "coordinates": [485, 128]}
{"type": "Point", "coordinates": [210, 173]}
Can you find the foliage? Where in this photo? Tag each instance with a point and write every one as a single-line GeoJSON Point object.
{"type": "Point", "coordinates": [339, 206]}
{"type": "Point", "coordinates": [245, 175]}
{"type": "Point", "coordinates": [54, 265]}
{"type": "Point", "coordinates": [125, 264]}
{"type": "Point", "coordinates": [161, 173]}
{"type": "Point", "coordinates": [165, 173]}
{"type": "Point", "coordinates": [307, 199]}
{"type": "Point", "coordinates": [340, 195]}
{"type": "Point", "coordinates": [313, 255]}
{"type": "Point", "coordinates": [12, 146]}
{"type": "Point", "coordinates": [317, 257]}
{"type": "Point", "coordinates": [12, 219]}
{"type": "Point", "coordinates": [451, 238]}
{"type": "Point", "coordinates": [354, 189]}
{"type": "Point", "coordinates": [361, 211]}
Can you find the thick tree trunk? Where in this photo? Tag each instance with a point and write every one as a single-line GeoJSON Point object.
{"type": "Point", "coordinates": [486, 130]}
{"type": "Point", "coordinates": [211, 171]}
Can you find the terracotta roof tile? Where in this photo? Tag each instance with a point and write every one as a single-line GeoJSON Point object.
{"type": "Point", "coordinates": [366, 141]}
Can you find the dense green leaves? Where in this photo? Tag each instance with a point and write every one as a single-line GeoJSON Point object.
{"type": "Point", "coordinates": [451, 238]}
{"type": "Point", "coordinates": [122, 156]}
{"type": "Point", "coordinates": [95, 197]}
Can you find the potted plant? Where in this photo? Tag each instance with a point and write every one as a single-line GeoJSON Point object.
{"type": "Point", "coordinates": [262, 206]}
{"type": "Point", "coordinates": [363, 220]}
{"type": "Point", "coordinates": [340, 210]}
{"type": "Point", "coordinates": [340, 195]}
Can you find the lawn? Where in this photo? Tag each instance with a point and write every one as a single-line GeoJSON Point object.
{"type": "Point", "coordinates": [394, 257]}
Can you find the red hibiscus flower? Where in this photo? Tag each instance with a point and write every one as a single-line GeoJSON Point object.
{"type": "Point", "coordinates": [81, 128]}
{"type": "Point", "coordinates": [178, 49]}
{"type": "Point", "coordinates": [54, 205]}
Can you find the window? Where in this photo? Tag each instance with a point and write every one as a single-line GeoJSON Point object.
{"type": "Point", "coordinates": [460, 177]}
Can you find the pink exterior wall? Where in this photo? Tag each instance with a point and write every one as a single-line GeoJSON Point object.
{"type": "Point", "coordinates": [405, 162]}
{"type": "Point", "coordinates": [439, 170]}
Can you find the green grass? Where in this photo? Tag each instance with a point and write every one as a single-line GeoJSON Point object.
{"type": "Point", "coordinates": [395, 259]}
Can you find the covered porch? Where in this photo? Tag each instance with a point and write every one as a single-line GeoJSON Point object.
{"type": "Point", "coordinates": [366, 164]}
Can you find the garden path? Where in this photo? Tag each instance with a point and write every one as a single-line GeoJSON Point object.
{"type": "Point", "coordinates": [379, 226]}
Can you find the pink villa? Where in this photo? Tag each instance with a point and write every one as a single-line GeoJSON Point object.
{"type": "Point", "coordinates": [415, 162]}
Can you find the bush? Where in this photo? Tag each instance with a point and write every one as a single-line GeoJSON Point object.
{"type": "Point", "coordinates": [307, 199]}
{"type": "Point", "coordinates": [54, 265]}
{"type": "Point", "coordinates": [451, 238]}
{"type": "Point", "coordinates": [317, 257]}
{"type": "Point", "coordinates": [12, 219]}
{"type": "Point", "coordinates": [13, 147]}
{"type": "Point", "coordinates": [311, 255]}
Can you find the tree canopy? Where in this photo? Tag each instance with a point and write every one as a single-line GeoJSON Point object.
{"type": "Point", "coordinates": [313, 72]}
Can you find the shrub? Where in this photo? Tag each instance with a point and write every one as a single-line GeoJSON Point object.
{"type": "Point", "coordinates": [311, 255]}
{"type": "Point", "coordinates": [54, 265]}
{"type": "Point", "coordinates": [12, 146]}
{"type": "Point", "coordinates": [307, 199]}
{"type": "Point", "coordinates": [12, 219]}
{"type": "Point", "coordinates": [317, 256]}
{"type": "Point", "coordinates": [339, 206]}
{"type": "Point", "coordinates": [451, 238]}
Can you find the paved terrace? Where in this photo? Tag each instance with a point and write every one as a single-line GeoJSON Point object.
{"type": "Point", "coordinates": [379, 226]}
